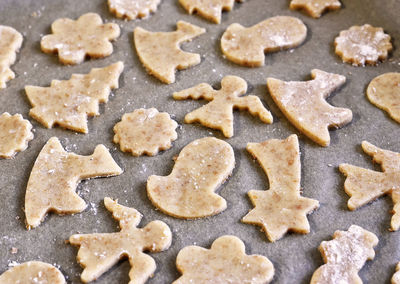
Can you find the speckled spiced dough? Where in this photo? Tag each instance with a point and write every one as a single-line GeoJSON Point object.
{"type": "Point", "coordinates": [315, 8]}
{"type": "Point", "coordinates": [74, 40]}
{"type": "Point", "coordinates": [396, 276]}
{"type": "Point", "coordinates": [225, 262]}
{"type": "Point", "coordinates": [133, 9]}
{"type": "Point", "coordinates": [246, 46]}
{"type": "Point", "coordinates": [15, 133]}
{"type": "Point", "coordinates": [304, 104]}
{"type": "Point", "coordinates": [344, 256]}
{"type": "Point", "coordinates": [145, 131]}
{"type": "Point", "coordinates": [218, 114]}
{"type": "Point", "coordinates": [188, 192]}
{"type": "Point", "coordinates": [10, 43]}
{"type": "Point", "coordinates": [99, 252]}
{"type": "Point", "coordinates": [364, 186]}
{"type": "Point", "coordinates": [55, 176]}
{"type": "Point", "coordinates": [160, 52]}
{"type": "Point", "coordinates": [281, 208]}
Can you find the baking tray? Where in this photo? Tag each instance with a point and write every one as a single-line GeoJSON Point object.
{"type": "Point", "coordinates": [295, 257]}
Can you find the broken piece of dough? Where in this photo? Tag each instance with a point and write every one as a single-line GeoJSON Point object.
{"type": "Point", "coordinates": [145, 131]}
{"type": "Point", "coordinates": [384, 92]}
{"type": "Point", "coordinates": [315, 8]}
{"type": "Point", "coordinates": [160, 52]}
{"type": "Point", "coordinates": [15, 134]}
{"type": "Point", "coordinates": [33, 272]}
{"type": "Point", "coordinates": [55, 176]}
{"type": "Point", "coordinates": [225, 262]}
{"type": "Point", "coordinates": [74, 40]}
{"type": "Point", "coordinates": [281, 208]}
{"type": "Point", "coordinates": [396, 276]}
{"type": "Point", "coordinates": [10, 43]}
{"type": "Point", "coordinates": [344, 256]}
{"type": "Point", "coordinates": [133, 9]}
{"type": "Point", "coordinates": [99, 252]}
{"type": "Point", "coordinates": [364, 186]}
{"type": "Point", "coordinates": [246, 46]}
{"type": "Point", "coordinates": [68, 103]}
{"type": "Point", "coordinates": [362, 45]}
{"type": "Point", "coordinates": [304, 104]}
{"type": "Point", "coordinates": [188, 192]}
{"type": "Point", "coordinates": [218, 113]}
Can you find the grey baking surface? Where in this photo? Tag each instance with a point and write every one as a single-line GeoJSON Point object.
{"type": "Point", "coordinates": [295, 257]}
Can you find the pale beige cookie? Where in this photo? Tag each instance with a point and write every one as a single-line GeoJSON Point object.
{"type": "Point", "coordinates": [344, 256]}
{"type": "Point", "coordinates": [384, 92]}
{"type": "Point", "coordinates": [133, 9]}
{"type": "Point", "coordinates": [10, 43]}
{"type": "Point", "coordinates": [160, 52]}
{"type": "Point", "coordinates": [315, 8]}
{"type": "Point", "coordinates": [75, 40]}
{"type": "Point", "coordinates": [33, 272]}
{"type": "Point", "coordinates": [188, 192]}
{"type": "Point", "coordinates": [68, 103]}
{"type": "Point", "coordinates": [145, 131]}
{"type": "Point", "coordinates": [281, 208]}
{"type": "Point", "coordinates": [246, 46]}
{"type": "Point", "coordinates": [55, 176]}
{"type": "Point", "coordinates": [364, 186]}
{"type": "Point", "coordinates": [218, 114]}
{"type": "Point", "coordinates": [225, 262]}
{"type": "Point", "coordinates": [362, 45]}
{"type": "Point", "coordinates": [99, 252]}
{"type": "Point", "coordinates": [304, 104]}
{"type": "Point", "coordinates": [15, 134]}
{"type": "Point", "coordinates": [396, 276]}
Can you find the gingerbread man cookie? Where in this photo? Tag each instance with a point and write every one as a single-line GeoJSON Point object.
{"type": "Point", "coordinates": [10, 43]}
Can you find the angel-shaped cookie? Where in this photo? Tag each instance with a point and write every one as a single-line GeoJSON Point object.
{"type": "Point", "coordinates": [315, 8]}
{"type": "Point", "coordinates": [10, 43]}
{"type": "Point", "coordinates": [33, 272]}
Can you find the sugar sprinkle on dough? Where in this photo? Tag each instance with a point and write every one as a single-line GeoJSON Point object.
{"type": "Point", "coordinates": [10, 43]}
{"type": "Point", "coordinates": [133, 9]}
{"type": "Point", "coordinates": [315, 8]}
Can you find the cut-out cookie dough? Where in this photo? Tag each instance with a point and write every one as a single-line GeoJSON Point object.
{"type": "Point", "coordinates": [225, 262]}
{"type": "Point", "coordinates": [208, 9]}
{"type": "Point", "coordinates": [10, 43]}
{"type": "Point", "coordinates": [160, 52]}
{"type": "Point", "coordinates": [315, 8]}
{"type": "Point", "coordinates": [15, 134]}
{"type": "Point", "coordinates": [145, 131]}
{"type": "Point", "coordinates": [384, 92]}
{"type": "Point", "coordinates": [218, 114]}
{"type": "Point", "coordinates": [364, 186]}
{"type": "Point", "coordinates": [133, 9]}
{"type": "Point", "coordinates": [188, 192]}
{"type": "Point", "coordinates": [246, 46]}
{"type": "Point", "coordinates": [74, 40]}
{"type": "Point", "coordinates": [396, 276]}
{"type": "Point", "coordinates": [362, 45]}
{"type": "Point", "coordinates": [55, 176]}
{"type": "Point", "coordinates": [68, 103]}
{"type": "Point", "coordinates": [99, 252]}
{"type": "Point", "coordinates": [281, 208]}
{"type": "Point", "coordinates": [344, 256]}
{"type": "Point", "coordinates": [33, 272]}
{"type": "Point", "coordinates": [304, 104]}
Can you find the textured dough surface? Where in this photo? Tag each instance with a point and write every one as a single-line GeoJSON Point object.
{"type": "Point", "coordinates": [133, 9]}
{"type": "Point", "coordinates": [315, 8]}
{"type": "Point", "coordinates": [10, 43]}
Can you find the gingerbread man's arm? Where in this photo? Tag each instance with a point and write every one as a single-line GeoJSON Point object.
{"type": "Point", "coordinates": [201, 91]}
{"type": "Point", "coordinates": [127, 217]}
{"type": "Point", "coordinates": [254, 105]}
{"type": "Point", "coordinates": [390, 161]}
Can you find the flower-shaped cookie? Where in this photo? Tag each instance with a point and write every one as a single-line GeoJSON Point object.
{"type": "Point", "coordinates": [32, 272]}
{"type": "Point", "coordinates": [10, 43]}
{"type": "Point", "coordinates": [133, 9]}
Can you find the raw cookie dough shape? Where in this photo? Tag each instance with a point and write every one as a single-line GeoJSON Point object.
{"type": "Point", "coordinates": [384, 92]}
{"type": "Point", "coordinates": [145, 131]}
{"type": "Point", "coordinates": [133, 9]}
{"type": "Point", "coordinates": [15, 134]}
{"type": "Point", "coordinates": [364, 186]}
{"type": "Point", "coordinates": [246, 46]}
{"type": "Point", "coordinates": [99, 252]}
{"type": "Point", "coordinates": [10, 43]}
{"type": "Point", "coordinates": [55, 176]}
{"type": "Point", "coordinates": [33, 272]}
{"type": "Point", "coordinates": [281, 208]}
{"type": "Point", "coordinates": [74, 40]}
{"type": "Point", "coordinates": [362, 45]}
{"type": "Point", "coordinates": [160, 52]}
{"type": "Point", "coordinates": [304, 104]}
{"type": "Point", "coordinates": [68, 103]}
{"type": "Point", "coordinates": [225, 262]}
{"type": "Point", "coordinates": [188, 192]}
{"type": "Point", "coordinates": [218, 113]}
{"type": "Point", "coordinates": [344, 256]}
{"type": "Point", "coordinates": [396, 276]}
{"type": "Point", "coordinates": [315, 8]}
